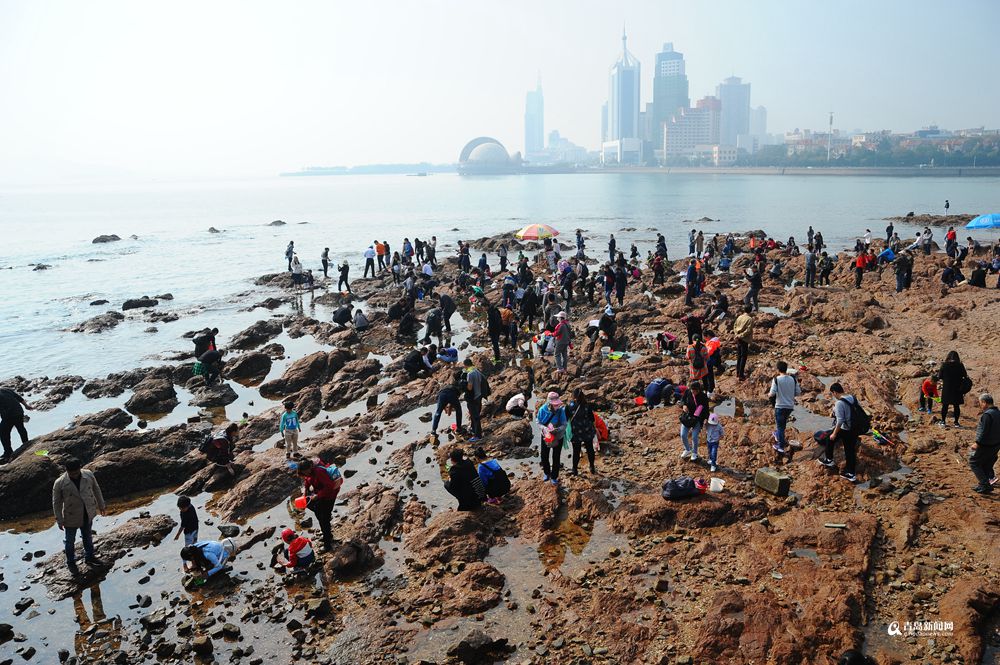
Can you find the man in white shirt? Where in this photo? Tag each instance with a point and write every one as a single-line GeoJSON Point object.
{"type": "Point", "coordinates": [370, 260]}
{"type": "Point", "coordinates": [784, 390]}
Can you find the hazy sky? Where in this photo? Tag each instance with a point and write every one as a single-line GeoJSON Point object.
{"type": "Point", "coordinates": [143, 88]}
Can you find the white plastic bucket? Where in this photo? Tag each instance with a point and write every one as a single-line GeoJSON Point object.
{"type": "Point", "coordinates": [716, 485]}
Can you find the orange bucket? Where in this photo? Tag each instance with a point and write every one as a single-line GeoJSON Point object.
{"type": "Point", "coordinates": [300, 502]}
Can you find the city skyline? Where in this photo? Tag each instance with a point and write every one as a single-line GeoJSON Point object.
{"type": "Point", "coordinates": [251, 88]}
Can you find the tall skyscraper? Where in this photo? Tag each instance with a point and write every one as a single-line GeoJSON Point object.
{"type": "Point", "coordinates": [734, 96]}
{"type": "Point", "coordinates": [623, 97]}
{"type": "Point", "coordinates": [670, 89]}
{"type": "Point", "coordinates": [622, 142]}
{"type": "Point", "coordinates": [758, 121]}
{"type": "Point", "coordinates": [534, 121]}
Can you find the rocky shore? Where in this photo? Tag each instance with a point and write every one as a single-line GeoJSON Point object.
{"type": "Point", "coordinates": [599, 570]}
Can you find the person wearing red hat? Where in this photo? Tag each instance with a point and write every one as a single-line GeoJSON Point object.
{"type": "Point", "coordinates": [297, 552]}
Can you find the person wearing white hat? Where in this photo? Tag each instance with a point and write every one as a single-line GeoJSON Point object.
{"type": "Point", "coordinates": [713, 434]}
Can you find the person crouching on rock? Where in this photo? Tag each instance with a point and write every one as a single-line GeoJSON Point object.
{"type": "Point", "coordinates": [296, 552]}
{"type": "Point", "coordinates": [221, 448]}
{"type": "Point", "coordinates": [321, 492]}
{"type": "Point", "coordinates": [493, 477]}
{"type": "Point", "coordinates": [464, 483]}
{"type": "Point", "coordinates": [209, 557]}
{"type": "Point", "coordinates": [211, 365]}
{"type": "Point", "coordinates": [416, 361]}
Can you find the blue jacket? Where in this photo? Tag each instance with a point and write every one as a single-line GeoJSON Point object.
{"type": "Point", "coordinates": [487, 469]}
{"type": "Point", "coordinates": [654, 391]}
{"type": "Point", "coordinates": [215, 553]}
{"type": "Point", "coordinates": [546, 417]}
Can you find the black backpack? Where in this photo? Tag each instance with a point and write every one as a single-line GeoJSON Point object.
{"type": "Point", "coordinates": [698, 359]}
{"type": "Point", "coordinates": [861, 420]}
{"type": "Point", "coordinates": [484, 386]}
{"type": "Point", "coordinates": [679, 488]}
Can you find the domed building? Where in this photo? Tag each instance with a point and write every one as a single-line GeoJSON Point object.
{"type": "Point", "coordinates": [487, 156]}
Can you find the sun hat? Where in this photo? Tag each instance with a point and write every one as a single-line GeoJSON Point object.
{"type": "Point", "coordinates": [561, 315]}
{"type": "Point", "coordinates": [553, 399]}
{"type": "Point", "coordinates": [713, 419]}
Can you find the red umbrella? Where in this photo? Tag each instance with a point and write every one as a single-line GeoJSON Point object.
{"type": "Point", "coordinates": [536, 232]}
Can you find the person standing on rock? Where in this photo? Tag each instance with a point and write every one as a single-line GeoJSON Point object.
{"type": "Point", "coordinates": [888, 233]}
{"type": "Point", "coordinates": [753, 292]}
{"type": "Point", "coordinates": [563, 337]}
{"type": "Point", "coordinates": [320, 492]}
{"type": "Point", "coordinates": [810, 258]}
{"type": "Point", "coordinates": [324, 258]}
{"type": "Point", "coordinates": [581, 420]}
{"type": "Point", "coordinates": [986, 446]}
{"type": "Point", "coordinates": [289, 253]}
{"type": "Point", "coordinates": [343, 284]}
{"type": "Point", "coordinates": [743, 330]}
{"type": "Point", "coordinates": [76, 501]}
{"type": "Point", "coordinates": [552, 419]}
{"type": "Point", "coordinates": [369, 255]}
{"type": "Point", "coordinates": [189, 521]}
{"type": "Point", "coordinates": [955, 383]}
{"type": "Point", "coordinates": [289, 426]}
{"type": "Point", "coordinates": [843, 432]}
{"type": "Point", "coordinates": [474, 399]}
{"type": "Point", "coordinates": [695, 412]}
{"type": "Point", "coordinates": [12, 417]}
{"type": "Point", "coordinates": [612, 243]}
{"type": "Point", "coordinates": [784, 390]}
{"type": "Point", "coordinates": [947, 206]}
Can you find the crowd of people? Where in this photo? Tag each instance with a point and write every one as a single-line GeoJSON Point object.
{"type": "Point", "coordinates": [527, 308]}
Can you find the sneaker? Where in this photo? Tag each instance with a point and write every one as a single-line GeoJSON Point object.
{"type": "Point", "coordinates": [848, 476]}
{"type": "Point", "coordinates": [983, 489]}
{"type": "Point", "coordinates": [777, 446]}
{"type": "Point", "coordinates": [685, 454]}
{"type": "Point", "coordinates": [593, 470]}
{"type": "Point", "coordinates": [555, 481]}
{"type": "Point", "coordinates": [825, 462]}
{"type": "Point", "coordinates": [473, 439]}
{"type": "Point", "coordinates": [942, 424]}
{"type": "Point", "coordinates": [993, 480]}
{"type": "Point", "coordinates": [493, 501]}
{"type": "Point", "coordinates": [713, 468]}
{"type": "Point", "coordinates": [94, 561]}
{"type": "Point", "coordinates": [73, 570]}
{"type": "Point", "coordinates": [545, 477]}
{"type": "Point", "coordinates": [694, 457]}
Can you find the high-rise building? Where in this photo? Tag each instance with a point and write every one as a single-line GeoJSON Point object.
{"type": "Point", "coordinates": [534, 122]}
{"type": "Point", "coordinates": [623, 97]}
{"type": "Point", "coordinates": [735, 120]}
{"type": "Point", "coordinates": [691, 130]}
{"type": "Point", "coordinates": [758, 121]}
{"type": "Point", "coordinates": [623, 110]}
{"type": "Point", "coordinates": [670, 88]}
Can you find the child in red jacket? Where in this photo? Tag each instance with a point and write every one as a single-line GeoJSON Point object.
{"type": "Point", "coordinates": [297, 552]}
{"type": "Point", "coordinates": [928, 391]}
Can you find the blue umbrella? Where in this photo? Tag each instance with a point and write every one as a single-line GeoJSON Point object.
{"type": "Point", "coordinates": [991, 221]}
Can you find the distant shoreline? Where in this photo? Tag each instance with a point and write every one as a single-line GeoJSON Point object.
{"type": "Point", "coordinates": [890, 171]}
{"type": "Point", "coordinates": [895, 171]}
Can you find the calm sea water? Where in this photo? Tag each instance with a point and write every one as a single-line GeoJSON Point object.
{"type": "Point", "coordinates": [175, 253]}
